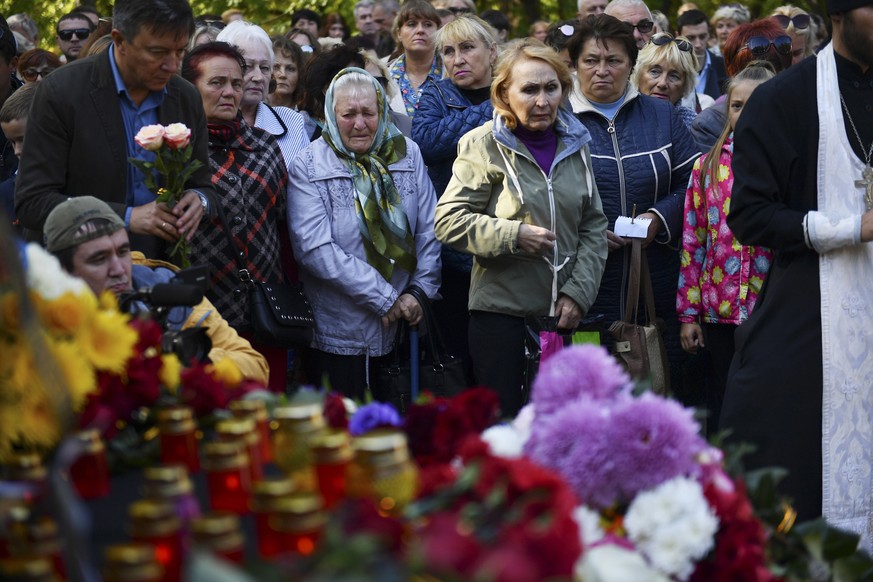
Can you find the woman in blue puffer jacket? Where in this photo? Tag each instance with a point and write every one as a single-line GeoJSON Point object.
{"type": "Point", "coordinates": [448, 109]}
{"type": "Point", "coordinates": [642, 156]}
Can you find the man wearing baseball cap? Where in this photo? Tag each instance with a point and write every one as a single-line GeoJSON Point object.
{"type": "Point", "coordinates": [799, 385]}
{"type": "Point", "coordinates": [90, 241]}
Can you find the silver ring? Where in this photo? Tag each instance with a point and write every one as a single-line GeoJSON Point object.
{"type": "Point", "coordinates": [163, 226]}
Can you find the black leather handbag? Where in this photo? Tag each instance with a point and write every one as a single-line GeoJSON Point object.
{"type": "Point", "coordinates": [279, 313]}
{"type": "Point", "coordinates": [439, 373]}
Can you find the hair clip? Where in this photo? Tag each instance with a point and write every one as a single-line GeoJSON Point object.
{"type": "Point", "coordinates": [567, 29]}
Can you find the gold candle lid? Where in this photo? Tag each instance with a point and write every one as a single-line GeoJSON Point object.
{"type": "Point", "coordinates": [298, 512]}
{"type": "Point", "coordinates": [224, 455]}
{"type": "Point", "coordinates": [266, 491]}
{"type": "Point", "coordinates": [238, 429]}
{"type": "Point", "coordinates": [91, 440]}
{"type": "Point", "coordinates": [151, 517]}
{"type": "Point", "coordinates": [217, 531]}
{"type": "Point", "coordinates": [250, 408]}
{"type": "Point", "coordinates": [25, 467]}
{"type": "Point", "coordinates": [300, 417]}
{"type": "Point", "coordinates": [381, 446]}
{"type": "Point", "coordinates": [332, 447]}
{"type": "Point", "coordinates": [131, 563]}
{"type": "Point", "coordinates": [166, 481]}
{"type": "Point", "coordinates": [176, 419]}
{"type": "Point", "coordinates": [27, 569]}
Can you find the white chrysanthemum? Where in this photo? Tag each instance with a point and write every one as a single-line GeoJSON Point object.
{"type": "Point", "coordinates": [611, 563]}
{"type": "Point", "coordinates": [524, 420]}
{"type": "Point", "coordinates": [504, 441]}
{"type": "Point", "coordinates": [46, 277]}
{"type": "Point", "coordinates": [588, 521]}
{"type": "Point", "coordinates": [672, 525]}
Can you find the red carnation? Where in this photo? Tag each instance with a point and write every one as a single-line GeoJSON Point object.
{"type": "Point", "coordinates": [335, 411]}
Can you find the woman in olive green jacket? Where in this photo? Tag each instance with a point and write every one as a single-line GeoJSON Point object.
{"type": "Point", "coordinates": [523, 201]}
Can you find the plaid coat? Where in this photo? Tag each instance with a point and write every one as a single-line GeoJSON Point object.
{"type": "Point", "coordinates": [250, 179]}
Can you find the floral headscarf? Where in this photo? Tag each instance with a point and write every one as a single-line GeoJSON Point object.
{"type": "Point", "coordinates": [384, 227]}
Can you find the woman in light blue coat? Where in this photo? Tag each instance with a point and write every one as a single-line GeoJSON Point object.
{"type": "Point", "coordinates": [360, 211]}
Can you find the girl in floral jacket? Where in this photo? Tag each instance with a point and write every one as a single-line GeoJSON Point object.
{"type": "Point", "coordinates": [719, 279]}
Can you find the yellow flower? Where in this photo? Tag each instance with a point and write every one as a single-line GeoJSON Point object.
{"type": "Point", "coordinates": [38, 425]}
{"type": "Point", "coordinates": [66, 314]}
{"type": "Point", "coordinates": [170, 369]}
{"type": "Point", "coordinates": [685, 258]}
{"type": "Point", "coordinates": [693, 295]}
{"type": "Point", "coordinates": [76, 370]}
{"type": "Point", "coordinates": [23, 373]}
{"type": "Point", "coordinates": [108, 301]}
{"type": "Point", "coordinates": [10, 312]}
{"type": "Point", "coordinates": [723, 172]}
{"type": "Point", "coordinates": [227, 372]}
{"type": "Point", "coordinates": [108, 342]}
{"type": "Point", "coordinates": [724, 308]}
{"type": "Point", "coordinates": [726, 207]}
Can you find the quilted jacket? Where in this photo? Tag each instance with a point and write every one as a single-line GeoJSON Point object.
{"type": "Point", "coordinates": [643, 157]}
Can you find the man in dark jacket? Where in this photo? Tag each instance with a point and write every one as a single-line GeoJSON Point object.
{"type": "Point", "coordinates": [711, 74]}
{"type": "Point", "coordinates": [91, 110]}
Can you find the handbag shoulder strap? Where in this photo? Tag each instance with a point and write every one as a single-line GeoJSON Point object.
{"type": "Point", "coordinates": [640, 276]}
{"type": "Point", "coordinates": [633, 287]}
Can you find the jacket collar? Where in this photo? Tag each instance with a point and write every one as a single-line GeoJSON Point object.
{"type": "Point", "coordinates": [268, 119]}
{"type": "Point", "coordinates": [570, 130]}
{"type": "Point", "coordinates": [581, 104]}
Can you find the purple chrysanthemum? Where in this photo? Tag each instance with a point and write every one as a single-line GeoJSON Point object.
{"type": "Point", "coordinates": [652, 439]}
{"type": "Point", "coordinates": [574, 441]}
{"type": "Point", "coordinates": [576, 372]}
{"type": "Point", "coordinates": [372, 416]}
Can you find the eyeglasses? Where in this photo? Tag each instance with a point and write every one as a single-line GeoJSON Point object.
{"type": "Point", "coordinates": [760, 45]}
{"type": "Point", "coordinates": [644, 26]}
{"type": "Point", "coordinates": [663, 38]}
{"type": "Point", "coordinates": [67, 35]}
{"type": "Point", "coordinates": [800, 22]}
{"type": "Point", "coordinates": [30, 75]}
{"type": "Point", "coordinates": [457, 11]}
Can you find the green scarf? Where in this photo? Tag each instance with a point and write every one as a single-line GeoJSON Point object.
{"type": "Point", "coordinates": [384, 227]}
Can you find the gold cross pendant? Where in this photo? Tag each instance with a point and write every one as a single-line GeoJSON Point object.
{"type": "Point", "coordinates": [867, 184]}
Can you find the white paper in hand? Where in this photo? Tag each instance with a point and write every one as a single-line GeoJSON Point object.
{"type": "Point", "coordinates": [632, 228]}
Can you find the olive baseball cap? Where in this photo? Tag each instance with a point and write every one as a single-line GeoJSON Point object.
{"type": "Point", "coordinates": [78, 220]}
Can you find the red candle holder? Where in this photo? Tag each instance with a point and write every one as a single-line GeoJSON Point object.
{"type": "Point", "coordinates": [155, 523]}
{"type": "Point", "coordinates": [264, 495]}
{"type": "Point", "coordinates": [228, 477]}
{"type": "Point", "coordinates": [219, 534]}
{"type": "Point", "coordinates": [43, 540]}
{"type": "Point", "coordinates": [332, 453]}
{"type": "Point", "coordinates": [257, 411]}
{"type": "Point", "coordinates": [296, 426]}
{"type": "Point", "coordinates": [297, 522]}
{"type": "Point", "coordinates": [242, 430]}
{"type": "Point", "coordinates": [127, 562]}
{"type": "Point", "coordinates": [90, 472]}
{"type": "Point", "coordinates": [178, 437]}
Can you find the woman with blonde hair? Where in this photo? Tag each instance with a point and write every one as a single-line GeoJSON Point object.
{"type": "Point", "coordinates": [667, 69]}
{"type": "Point", "coordinates": [800, 27]}
{"type": "Point", "coordinates": [724, 21]}
{"type": "Point", "coordinates": [448, 109]}
{"type": "Point", "coordinates": [522, 200]}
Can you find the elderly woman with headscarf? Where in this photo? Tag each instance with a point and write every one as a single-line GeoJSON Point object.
{"type": "Point", "coordinates": [360, 212]}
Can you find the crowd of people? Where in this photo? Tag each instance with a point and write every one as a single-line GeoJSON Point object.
{"type": "Point", "coordinates": [424, 144]}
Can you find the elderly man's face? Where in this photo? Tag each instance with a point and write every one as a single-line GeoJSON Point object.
{"type": "Point", "coordinates": [364, 20]}
{"type": "Point", "coordinates": [591, 7]}
{"type": "Point", "coordinates": [104, 263]}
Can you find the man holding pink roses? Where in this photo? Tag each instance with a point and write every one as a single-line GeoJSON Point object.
{"type": "Point", "coordinates": [84, 124]}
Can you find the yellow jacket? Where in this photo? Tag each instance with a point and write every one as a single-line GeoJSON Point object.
{"type": "Point", "coordinates": [226, 343]}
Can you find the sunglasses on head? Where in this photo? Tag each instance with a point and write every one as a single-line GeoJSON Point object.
{"type": "Point", "coordinates": [67, 35]}
{"type": "Point", "coordinates": [31, 75]}
{"type": "Point", "coordinates": [760, 45]}
{"type": "Point", "coordinates": [644, 26]}
{"type": "Point", "coordinates": [456, 11]}
{"type": "Point", "coordinates": [663, 38]}
{"type": "Point", "coordinates": [801, 21]}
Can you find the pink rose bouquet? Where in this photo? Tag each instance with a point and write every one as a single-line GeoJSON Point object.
{"type": "Point", "coordinates": [172, 168]}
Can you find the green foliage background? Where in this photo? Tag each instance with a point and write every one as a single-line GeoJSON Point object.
{"type": "Point", "coordinates": [275, 15]}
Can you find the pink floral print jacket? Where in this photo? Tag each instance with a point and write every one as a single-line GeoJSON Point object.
{"type": "Point", "coordinates": [719, 279]}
